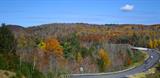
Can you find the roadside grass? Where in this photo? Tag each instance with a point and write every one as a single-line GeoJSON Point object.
{"type": "Point", "coordinates": [156, 73]}
{"type": "Point", "coordinates": [144, 74]}
{"type": "Point", "coordinates": [140, 75]}
{"type": "Point", "coordinates": [139, 62]}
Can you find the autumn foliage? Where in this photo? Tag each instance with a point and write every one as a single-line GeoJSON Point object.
{"type": "Point", "coordinates": [79, 57]}
{"type": "Point", "coordinates": [154, 43]}
{"type": "Point", "coordinates": [52, 45]}
{"type": "Point", "coordinates": [84, 45]}
{"type": "Point", "coordinates": [104, 60]}
{"type": "Point", "coordinates": [104, 56]}
{"type": "Point", "coordinates": [51, 49]}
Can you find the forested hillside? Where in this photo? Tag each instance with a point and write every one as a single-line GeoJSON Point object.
{"type": "Point", "coordinates": [65, 47]}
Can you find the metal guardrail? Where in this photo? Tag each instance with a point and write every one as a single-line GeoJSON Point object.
{"type": "Point", "coordinates": [65, 76]}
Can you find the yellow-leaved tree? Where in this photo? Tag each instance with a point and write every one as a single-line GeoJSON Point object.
{"type": "Point", "coordinates": [104, 60]}
{"type": "Point", "coordinates": [79, 57]}
{"type": "Point", "coordinates": [151, 43]}
{"type": "Point", "coordinates": [42, 45]}
{"type": "Point", "coordinates": [154, 43]}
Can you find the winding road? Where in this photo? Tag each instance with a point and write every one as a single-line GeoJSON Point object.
{"type": "Point", "coordinates": [154, 57]}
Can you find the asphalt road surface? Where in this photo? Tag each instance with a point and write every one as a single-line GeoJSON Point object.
{"type": "Point", "coordinates": [149, 63]}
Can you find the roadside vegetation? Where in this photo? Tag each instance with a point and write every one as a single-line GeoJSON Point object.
{"type": "Point", "coordinates": [151, 73]}
{"type": "Point", "coordinates": [156, 73]}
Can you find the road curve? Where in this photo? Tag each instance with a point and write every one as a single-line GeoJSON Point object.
{"type": "Point", "coordinates": [150, 62]}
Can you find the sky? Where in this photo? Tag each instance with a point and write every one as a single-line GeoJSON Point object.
{"type": "Point", "coordinates": [36, 12]}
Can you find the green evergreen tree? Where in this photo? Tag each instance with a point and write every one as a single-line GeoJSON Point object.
{"type": "Point", "coordinates": [7, 41]}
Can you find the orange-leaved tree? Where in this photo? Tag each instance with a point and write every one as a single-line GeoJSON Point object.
{"type": "Point", "coordinates": [53, 45]}
{"type": "Point", "coordinates": [53, 50]}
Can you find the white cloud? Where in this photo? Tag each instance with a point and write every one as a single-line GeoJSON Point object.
{"type": "Point", "coordinates": [127, 7]}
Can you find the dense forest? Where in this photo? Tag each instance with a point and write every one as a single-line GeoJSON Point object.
{"type": "Point", "coordinates": [51, 49]}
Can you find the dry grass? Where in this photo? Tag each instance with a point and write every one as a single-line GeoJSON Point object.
{"type": "Point", "coordinates": [6, 74]}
